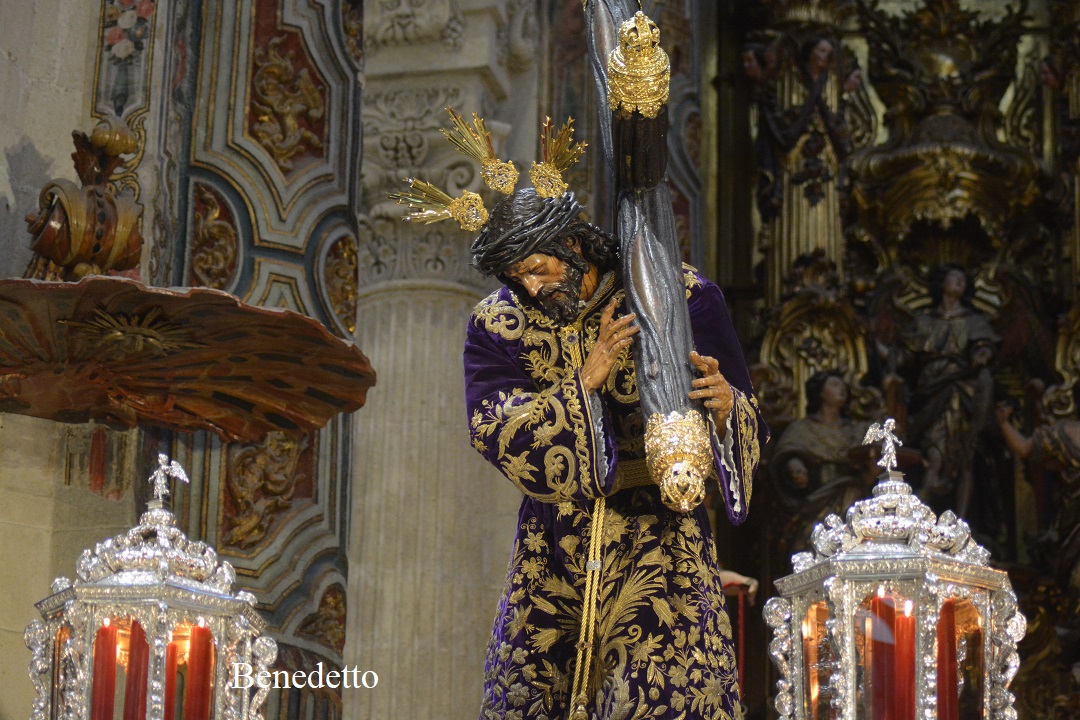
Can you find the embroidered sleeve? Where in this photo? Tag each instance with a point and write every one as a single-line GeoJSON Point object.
{"type": "Point", "coordinates": [545, 441]}
{"type": "Point", "coordinates": [737, 455]}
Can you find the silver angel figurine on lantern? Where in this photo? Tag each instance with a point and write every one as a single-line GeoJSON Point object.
{"type": "Point", "coordinates": [896, 615]}
{"type": "Point", "coordinates": [152, 623]}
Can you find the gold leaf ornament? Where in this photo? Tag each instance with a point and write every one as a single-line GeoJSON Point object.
{"type": "Point", "coordinates": [679, 457]}
{"type": "Point", "coordinates": [469, 211]}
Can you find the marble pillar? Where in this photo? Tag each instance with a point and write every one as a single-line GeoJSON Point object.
{"type": "Point", "coordinates": [432, 520]}
{"type": "Point", "coordinates": [431, 523]}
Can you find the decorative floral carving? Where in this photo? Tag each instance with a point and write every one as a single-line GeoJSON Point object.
{"type": "Point", "coordinates": [261, 483]}
{"type": "Point", "coordinates": [388, 250]}
{"type": "Point", "coordinates": [327, 624]}
{"type": "Point", "coordinates": [214, 244]}
{"type": "Point", "coordinates": [341, 280]}
{"type": "Point", "coordinates": [352, 22]}
{"type": "Point", "coordinates": [413, 22]}
{"type": "Point", "coordinates": [287, 105]}
{"type": "Point", "coordinates": [397, 125]}
{"type": "Point", "coordinates": [1022, 119]}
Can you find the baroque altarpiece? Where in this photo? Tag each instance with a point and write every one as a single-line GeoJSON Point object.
{"type": "Point", "coordinates": [913, 178]}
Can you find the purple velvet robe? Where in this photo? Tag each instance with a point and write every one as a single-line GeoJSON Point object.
{"type": "Point", "coordinates": [663, 645]}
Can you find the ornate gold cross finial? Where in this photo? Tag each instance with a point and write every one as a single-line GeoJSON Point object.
{"type": "Point", "coordinates": [639, 71]}
{"type": "Point", "coordinates": [165, 470]}
{"type": "Point", "coordinates": [889, 442]}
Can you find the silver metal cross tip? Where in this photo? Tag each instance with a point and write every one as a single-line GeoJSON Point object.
{"type": "Point", "coordinates": [889, 442]}
{"type": "Point", "coordinates": [160, 477]}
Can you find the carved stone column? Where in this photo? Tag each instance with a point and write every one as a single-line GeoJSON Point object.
{"type": "Point", "coordinates": [431, 521]}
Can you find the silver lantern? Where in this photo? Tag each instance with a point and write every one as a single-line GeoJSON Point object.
{"type": "Point", "coordinates": [152, 629]}
{"type": "Point", "coordinates": [894, 616]}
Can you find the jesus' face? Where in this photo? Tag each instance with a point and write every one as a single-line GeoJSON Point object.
{"type": "Point", "coordinates": [554, 283]}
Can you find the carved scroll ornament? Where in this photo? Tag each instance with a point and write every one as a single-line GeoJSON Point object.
{"type": "Point", "coordinates": [88, 229]}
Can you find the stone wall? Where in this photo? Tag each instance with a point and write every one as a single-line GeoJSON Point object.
{"type": "Point", "coordinates": [46, 57]}
{"type": "Point", "coordinates": [46, 517]}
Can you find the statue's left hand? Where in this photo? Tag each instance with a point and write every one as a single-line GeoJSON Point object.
{"type": "Point", "coordinates": [713, 389]}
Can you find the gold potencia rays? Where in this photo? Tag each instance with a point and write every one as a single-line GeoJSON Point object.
{"type": "Point", "coordinates": [431, 204]}
{"type": "Point", "coordinates": [559, 153]}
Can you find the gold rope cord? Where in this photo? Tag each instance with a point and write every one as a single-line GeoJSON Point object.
{"type": "Point", "coordinates": [587, 637]}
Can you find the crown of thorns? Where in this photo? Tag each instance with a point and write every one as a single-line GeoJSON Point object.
{"type": "Point", "coordinates": [431, 204]}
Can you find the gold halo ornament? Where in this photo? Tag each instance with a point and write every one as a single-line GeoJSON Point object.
{"type": "Point", "coordinates": [559, 153]}
{"type": "Point", "coordinates": [430, 204]}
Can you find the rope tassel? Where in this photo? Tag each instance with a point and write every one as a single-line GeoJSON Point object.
{"type": "Point", "coordinates": [587, 638]}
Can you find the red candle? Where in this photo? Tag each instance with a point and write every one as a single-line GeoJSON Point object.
{"type": "Point", "coordinates": [881, 656]}
{"type": "Point", "coordinates": [135, 684]}
{"type": "Point", "coordinates": [810, 661]}
{"type": "Point", "coordinates": [947, 692]}
{"type": "Point", "coordinates": [104, 690]}
{"type": "Point", "coordinates": [172, 653]}
{"type": "Point", "coordinates": [904, 698]}
{"type": "Point", "coordinates": [199, 688]}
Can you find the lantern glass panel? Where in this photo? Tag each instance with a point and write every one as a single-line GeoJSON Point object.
{"type": "Point", "coordinates": [189, 672]}
{"type": "Point", "coordinates": [818, 662]}
{"type": "Point", "coordinates": [121, 658]}
{"type": "Point", "coordinates": [960, 661]}
{"type": "Point", "coordinates": [56, 706]}
{"type": "Point", "coordinates": [885, 644]}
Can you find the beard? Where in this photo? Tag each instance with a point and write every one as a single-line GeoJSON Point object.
{"type": "Point", "coordinates": [561, 299]}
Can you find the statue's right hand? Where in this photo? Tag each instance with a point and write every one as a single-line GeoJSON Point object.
{"type": "Point", "coordinates": [615, 335]}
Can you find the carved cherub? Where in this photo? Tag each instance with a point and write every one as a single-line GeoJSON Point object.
{"type": "Point", "coordinates": [160, 477]}
{"type": "Point", "coordinates": [889, 442]}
